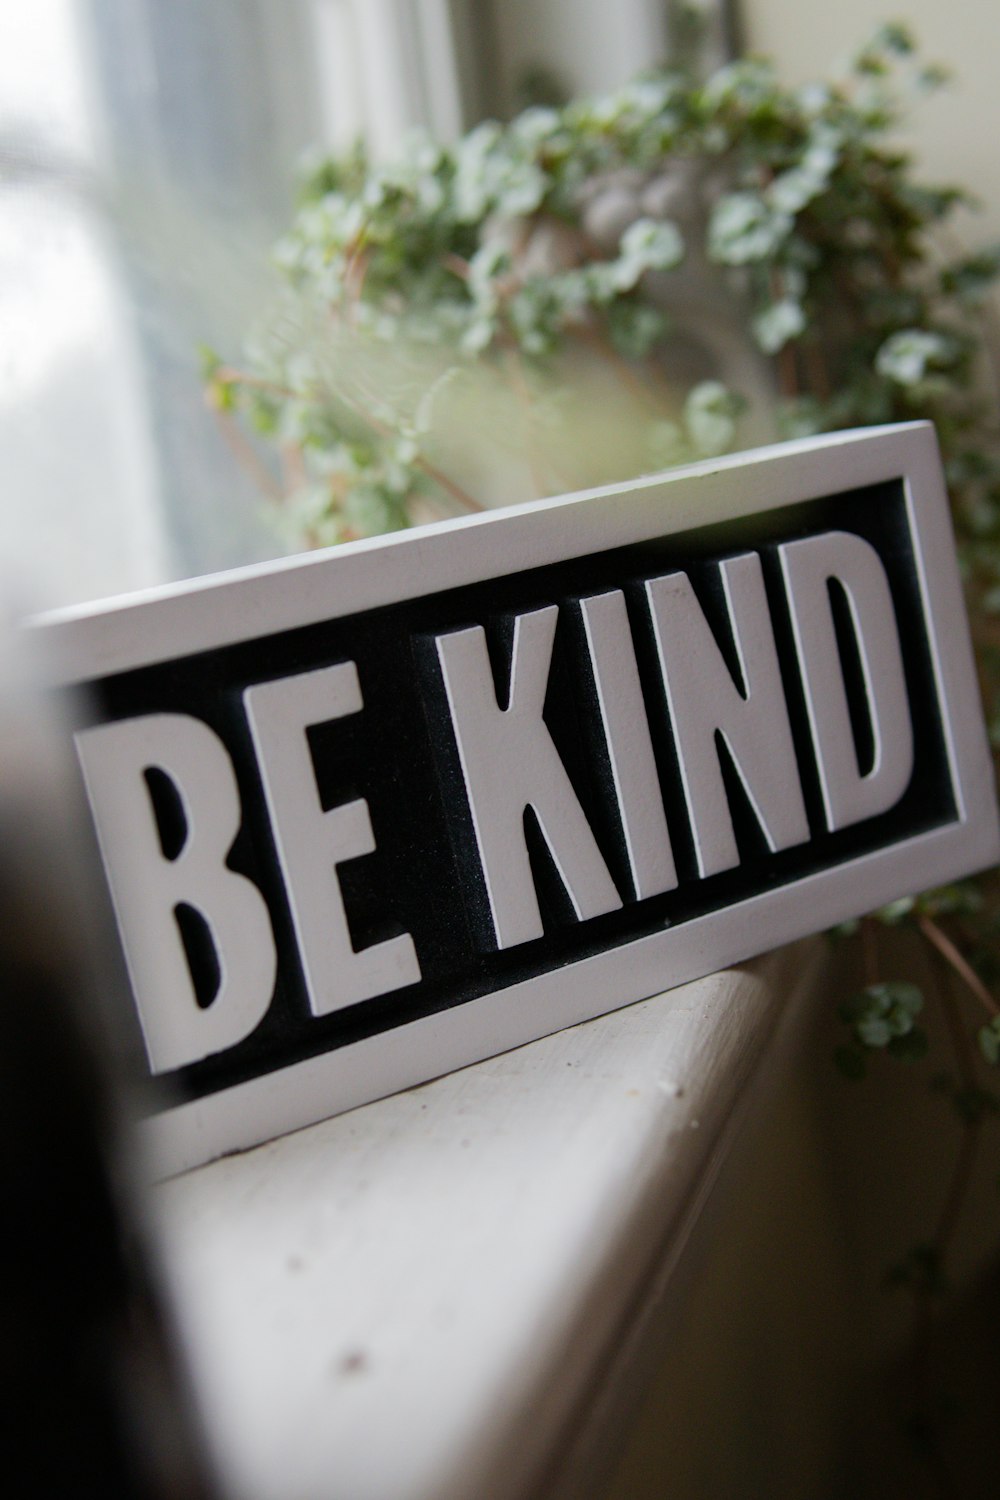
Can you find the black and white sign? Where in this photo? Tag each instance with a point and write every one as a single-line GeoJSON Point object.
{"type": "Point", "coordinates": [372, 814]}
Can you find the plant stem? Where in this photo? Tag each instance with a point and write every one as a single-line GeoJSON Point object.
{"type": "Point", "coordinates": [357, 254]}
{"type": "Point", "coordinates": [236, 441]}
{"type": "Point", "coordinates": [512, 360]}
{"type": "Point", "coordinates": [788, 376]}
{"type": "Point", "coordinates": [651, 386]}
{"type": "Point", "coordinates": [294, 466]}
{"type": "Point", "coordinates": [460, 496]}
{"type": "Point", "coordinates": [354, 276]}
{"type": "Point", "coordinates": [457, 265]}
{"type": "Point", "coordinates": [229, 376]}
{"type": "Point", "coordinates": [246, 456]}
{"type": "Point", "coordinates": [643, 389]}
{"type": "Point", "coordinates": [957, 961]}
{"type": "Point", "coordinates": [816, 368]}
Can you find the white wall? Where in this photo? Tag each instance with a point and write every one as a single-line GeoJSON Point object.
{"type": "Point", "coordinates": [956, 132]}
{"type": "Point", "coordinates": [594, 45]}
{"type": "Point", "coordinates": [590, 45]}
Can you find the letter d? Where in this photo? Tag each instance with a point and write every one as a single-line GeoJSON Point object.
{"type": "Point", "coordinates": [147, 887]}
{"type": "Point", "coordinates": [808, 567]}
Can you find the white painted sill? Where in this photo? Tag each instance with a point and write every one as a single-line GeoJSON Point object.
{"type": "Point", "coordinates": [437, 1296]}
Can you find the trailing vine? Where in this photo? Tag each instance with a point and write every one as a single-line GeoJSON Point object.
{"type": "Point", "coordinates": [497, 295]}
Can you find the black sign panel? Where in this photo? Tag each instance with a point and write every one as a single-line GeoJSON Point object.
{"type": "Point", "coordinates": [371, 815]}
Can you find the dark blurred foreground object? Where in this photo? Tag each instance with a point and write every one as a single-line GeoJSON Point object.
{"type": "Point", "coordinates": [94, 1401]}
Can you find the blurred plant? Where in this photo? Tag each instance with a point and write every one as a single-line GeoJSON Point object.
{"type": "Point", "coordinates": [546, 301]}
{"type": "Point", "coordinates": [527, 257]}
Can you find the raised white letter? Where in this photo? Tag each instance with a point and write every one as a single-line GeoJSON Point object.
{"type": "Point", "coordinates": [147, 887]}
{"type": "Point", "coordinates": [311, 842]}
{"type": "Point", "coordinates": [630, 750]}
{"type": "Point", "coordinates": [704, 700]}
{"type": "Point", "coordinates": [808, 567]}
{"type": "Point", "coordinates": [510, 762]}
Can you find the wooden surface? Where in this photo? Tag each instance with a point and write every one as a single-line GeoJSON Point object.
{"type": "Point", "coordinates": [431, 1298]}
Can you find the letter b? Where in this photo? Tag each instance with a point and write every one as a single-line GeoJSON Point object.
{"type": "Point", "coordinates": [147, 886]}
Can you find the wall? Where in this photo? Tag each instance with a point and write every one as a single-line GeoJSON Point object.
{"type": "Point", "coordinates": [954, 134]}
{"type": "Point", "coordinates": [594, 46]}
{"type": "Point", "coordinates": [788, 1365]}
{"type": "Point", "coordinates": [588, 45]}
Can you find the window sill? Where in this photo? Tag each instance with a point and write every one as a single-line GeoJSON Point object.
{"type": "Point", "coordinates": [432, 1297]}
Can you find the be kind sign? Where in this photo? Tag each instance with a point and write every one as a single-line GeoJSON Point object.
{"type": "Point", "coordinates": [373, 814]}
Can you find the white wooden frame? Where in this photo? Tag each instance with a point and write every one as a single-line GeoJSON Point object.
{"type": "Point", "coordinates": [93, 642]}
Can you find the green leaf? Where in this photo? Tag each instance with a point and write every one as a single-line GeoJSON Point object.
{"type": "Point", "coordinates": [972, 279]}
{"type": "Point", "coordinates": [264, 411]}
{"type": "Point", "coordinates": [896, 911]}
{"type": "Point", "coordinates": [932, 76]}
{"type": "Point", "coordinates": [874, 1031]}
{"type": "Point", "coordinates": [652, 245]}
{"type": "Point", "coordinates": [845, 930]}
{"type": "Point", "coordinates": [208, 362]}
{"type": "Point", "coordinates": [909, 356]}
{"type": "Point", "coordinates": [884, 1013]}
{"type": "Point", "coordinates": [792, 190]}
{"type": "Point", "coordinates": [635, 327]}
{"type": "Point", "coordinates": [710, 413]}
{"type": "Point", "coordinates": [222, 395]}
{"type": "Point", "coordinates": [494, 173]}
{"type": "Point", "coordinates": [777, 324]}
{"type": "Point", "coordinates": [961, 899]}
{"type": "Point", "coordinates": [666, 445]}
{"type": "Point", "coordinates": [744, 228]}
{"type": "Point", "coordinates": [895, 37]}
{"type": "Point", "coordinates": [989, 1042]}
